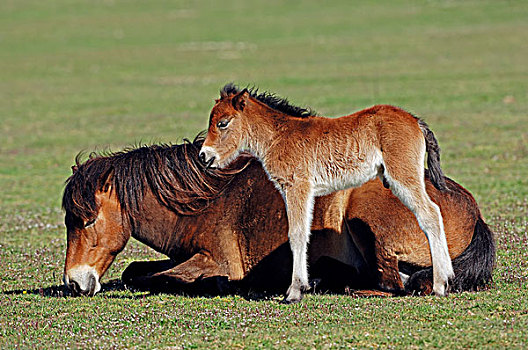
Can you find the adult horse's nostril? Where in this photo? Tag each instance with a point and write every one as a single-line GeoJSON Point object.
{"type": "Point", "coordinates": [202, 156]}
{"type": "Point", "coordinates": [90, 289]}
{"type": "Point", "coordinates": [75, 288]}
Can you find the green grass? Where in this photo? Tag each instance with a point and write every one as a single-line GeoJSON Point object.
{"type": "Point", "coordinates": [86, 75]}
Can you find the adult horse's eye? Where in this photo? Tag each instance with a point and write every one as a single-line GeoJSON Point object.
{"type": "Point", "coordinates": [89, 223]}
{"type": "Point", "coordinates": [222, 124]}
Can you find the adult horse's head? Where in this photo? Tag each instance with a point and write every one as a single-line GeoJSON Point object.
{"type": "Point", "coordinates": [111, 197]}
{"type": "Point", "coordinates": [95, 229]}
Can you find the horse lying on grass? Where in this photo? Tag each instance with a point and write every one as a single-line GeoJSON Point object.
{"type": "Point", "coordinates": [231, 225]}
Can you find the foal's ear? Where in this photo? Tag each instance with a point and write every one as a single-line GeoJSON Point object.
{"type": "Point", "coordinates": [240, 100]}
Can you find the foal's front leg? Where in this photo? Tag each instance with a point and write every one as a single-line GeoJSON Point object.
{"type": "Point", "coordinates": [299, 208]}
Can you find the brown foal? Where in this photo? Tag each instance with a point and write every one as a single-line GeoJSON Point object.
{"type": "Point", "coordinates": [308, 156]}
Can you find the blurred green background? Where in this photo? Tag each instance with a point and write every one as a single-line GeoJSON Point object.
{"type": "Point", "coordinates": [102, 75]}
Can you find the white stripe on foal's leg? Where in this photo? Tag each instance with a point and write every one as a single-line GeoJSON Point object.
{"type": "Point", "coordinates": [434, 227]}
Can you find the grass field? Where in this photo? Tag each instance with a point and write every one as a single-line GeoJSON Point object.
{"type": "Point", "coordinates": [95, 75]}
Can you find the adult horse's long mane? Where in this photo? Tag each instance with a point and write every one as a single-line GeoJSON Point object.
{"type": "Point", "coordinates": [173, 174]}
{"type": "Point", "coordinates": [271, 100]}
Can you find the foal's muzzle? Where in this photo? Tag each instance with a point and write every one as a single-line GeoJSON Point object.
{"type": "Point", "coordinates": [206, 159]}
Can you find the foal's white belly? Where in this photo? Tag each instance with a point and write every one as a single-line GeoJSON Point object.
{"type": "Point", "coordinates": [332, 177]}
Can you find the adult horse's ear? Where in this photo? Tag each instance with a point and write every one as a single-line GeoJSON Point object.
{"type": "Point", "coordinates": [106, 181]}
{"type": "Point", "coordinates": [74, 169]}
{"type": "Point", "coordinates": [107, 186]}
{"type": "Point", "coordinates": [240, 100]}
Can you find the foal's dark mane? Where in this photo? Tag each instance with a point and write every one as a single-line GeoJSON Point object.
{"type": "Point", "coordinates": [271, 100]}
{"type": "Point", "coordinates": [172, 173]}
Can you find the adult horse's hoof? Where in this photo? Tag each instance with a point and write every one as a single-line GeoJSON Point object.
{"type": "Point", "coordinates": [314, 283]}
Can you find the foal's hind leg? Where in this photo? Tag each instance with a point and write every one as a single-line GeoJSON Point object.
{"type": "Point", "coordinates": [407, 183]}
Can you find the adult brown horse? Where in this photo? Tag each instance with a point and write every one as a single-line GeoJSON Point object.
{"type": "Point", "coordinates": [232, 224]}
{"type": "Point", "coordinates": [307, 156]}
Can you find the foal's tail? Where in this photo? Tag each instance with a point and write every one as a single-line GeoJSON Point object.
{"type": "Point", "coordinates": [472, 268]}
{"type": "Point", "coordinates": [433, 157]}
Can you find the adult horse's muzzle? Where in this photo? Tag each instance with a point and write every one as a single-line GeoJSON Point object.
{"type": "Point", "coordinates": [82, 280]}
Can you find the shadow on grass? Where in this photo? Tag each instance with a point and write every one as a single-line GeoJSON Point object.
{"type": "Point", "coordinates": [207, 288]}
{"type": "Point", "coordinates": [204, 288]}
{"type": "Point", "coordinates": [260, 284]}
{"type": "Point", "coordinates": [60, 291]}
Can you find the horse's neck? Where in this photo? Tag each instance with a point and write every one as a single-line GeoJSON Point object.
{"type": "Point", "coordinates": [152, 239]}
{"type": "Point", "coordinates": [156, 225]}
{"type": "Point", "coordinates": [264, 132]}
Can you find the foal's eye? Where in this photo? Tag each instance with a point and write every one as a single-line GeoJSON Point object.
{"type": "Point", "coordinates": [222, 124]}
{"type": "Point", "coordinates": [89, 223]}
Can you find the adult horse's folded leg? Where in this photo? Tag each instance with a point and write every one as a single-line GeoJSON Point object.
{"type": "Point", "coordinates": [420, 282]}
{"type": "Point", "coordinates": [136, 274]}
{"type": "Point", "coordinates": [389, 279]}
{"type": "Point", "coordinates": [372, 293]}
{"type": "Point", "coordinates": [199, 267]}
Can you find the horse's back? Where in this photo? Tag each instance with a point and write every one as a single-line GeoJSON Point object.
{"type": "Point", "coordinates": [383, 127]}
{"type": "Point", "coordinates": [387, 114]}
{"type": "Point", "coordinates": [396, 228]}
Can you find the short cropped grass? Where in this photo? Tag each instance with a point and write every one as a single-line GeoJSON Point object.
{"type": "Point", "coordinates": [102, 75]}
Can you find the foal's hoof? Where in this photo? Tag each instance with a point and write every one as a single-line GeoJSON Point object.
{"type": "Point", "coordinates": [293, 296]}
{"type": "Point", "coordinates": [441, 290]}
{"type": "Point", "coordinates": [288, 301]}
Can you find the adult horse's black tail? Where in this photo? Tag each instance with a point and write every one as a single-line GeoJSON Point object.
{"type": "Point", "coordinates": [433, 157]}
{"type": "Point", "coordinates": [472, 268]}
